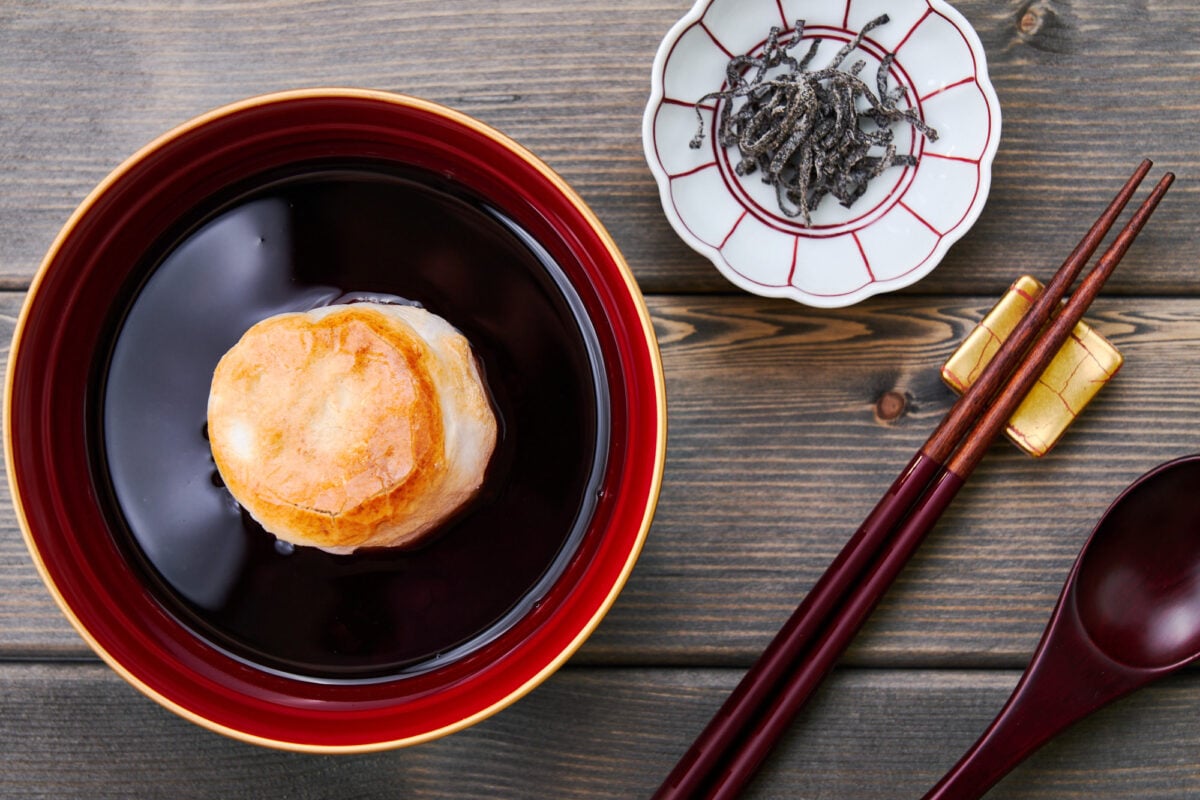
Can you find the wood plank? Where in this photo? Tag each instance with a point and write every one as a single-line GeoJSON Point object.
{"type": "Point", "coordinates": [777, 446]}
{"type": "Point", "coordinates": [70, 730]}
{"type": "Point", "coordinates": [776, 452]}
{"type": "Point", "coordinates": [83, 90]}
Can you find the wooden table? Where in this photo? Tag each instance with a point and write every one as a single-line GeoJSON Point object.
{"type": "Point", "coordinates": [783, 421]}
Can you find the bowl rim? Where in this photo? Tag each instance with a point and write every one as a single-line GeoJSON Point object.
{"type": "Point", "coordinates": [646, 337]}
{"type": "Point", "coordinates": [790, 291]}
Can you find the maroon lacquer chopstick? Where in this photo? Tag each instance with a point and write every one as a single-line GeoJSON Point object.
{"type": "Point", "coordinates": [858, 605]}
{"type": "Point", "coordinates": [699, 763]}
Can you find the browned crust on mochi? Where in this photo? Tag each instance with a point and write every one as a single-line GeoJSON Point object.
{"type": "Point", "coordinates": [324, 496]}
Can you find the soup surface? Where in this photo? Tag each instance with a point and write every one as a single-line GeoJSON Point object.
{"type": "Point", "coordinates": [345, 233]}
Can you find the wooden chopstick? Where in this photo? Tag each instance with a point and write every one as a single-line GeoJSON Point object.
{"type": "Point", "coordinates": [883, 572]}
{"type": "Point", "coordinates": [859, 603]}
{"type": "Point", "coordinates": [697, 767]}
{"type": "Point", "coordinates": [956, 423]}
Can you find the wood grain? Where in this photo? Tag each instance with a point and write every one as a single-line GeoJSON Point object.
{"type": "Point", "coordinates": [786, 423]}
{"type": "Point", "coordinates": [776, 452]}
{"type": "Point", "coordinates": [1085, 90]}
{"type": "Point", "coordinates": [609, 733]}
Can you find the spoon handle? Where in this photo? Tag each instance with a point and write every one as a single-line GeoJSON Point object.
{"type": "Point", "coordinates": [1066, 680]}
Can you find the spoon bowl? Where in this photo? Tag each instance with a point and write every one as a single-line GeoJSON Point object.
{"type": "Point", "coordinates": [1137, 586]}
{"type": "Point", "coordinates": [1128, 615]}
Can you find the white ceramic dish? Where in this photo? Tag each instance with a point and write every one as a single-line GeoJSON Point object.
{"type": "Point", "coordinates": [893, 235]}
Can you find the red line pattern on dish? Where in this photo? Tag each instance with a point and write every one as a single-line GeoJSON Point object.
{"type": "Point", "coordinates": [782, 16]}
{"type": "Point", "coordinates": [963, 159]}
{"type": "Point", "coordinates": [921, 219]}
{"type": "Point", "coordinates": [977, 162]}
{"type": "Point", "coordinates": [692, 171]}
{"type": "Point", "coordinates": [974, 197]}
{"type": "Point", "coordinates": [717, 41]}
{"type": "Point", "coordinates": [671, 101]}
{"type": "Point", "coordinates": [795, 254]}
{"type": "Point", "coordinates": [913, 30]}
{"type": "Point", "coordinates": [947, 87]}
{"type": "Point", "coordinates": [736, 223]}
{"type": "Point", "coordinates": [863, 253]}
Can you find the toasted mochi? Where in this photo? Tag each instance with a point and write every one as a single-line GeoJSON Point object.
{"type": "Point", "coordinates": [359, 425]}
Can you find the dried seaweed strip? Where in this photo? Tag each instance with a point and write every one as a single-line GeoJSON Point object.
{"type": "Point", "coordinates": [803, 131]}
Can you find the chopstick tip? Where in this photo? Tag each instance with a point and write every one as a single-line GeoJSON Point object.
{"type": "Point", "coordinates": [1164, 183]}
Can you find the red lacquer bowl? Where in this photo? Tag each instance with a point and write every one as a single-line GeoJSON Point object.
{"type": "Point", "coordinates": [60, 337]}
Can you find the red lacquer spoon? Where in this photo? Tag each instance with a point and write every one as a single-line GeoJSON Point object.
{"type": "Point", "coordinates": [1128, 615]}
